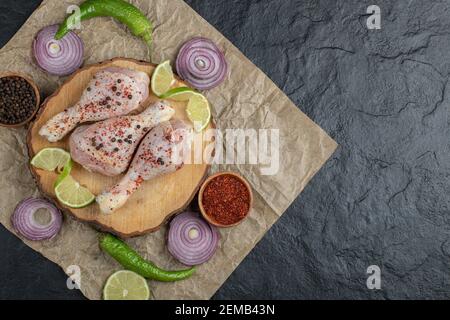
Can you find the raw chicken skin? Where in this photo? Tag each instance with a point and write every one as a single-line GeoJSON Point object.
{"type": "Point", "coordinates": [111, 92]}
{"type": "Point", "coordinates": [162, 151]}
{"type": "Point", "coordinates": [107, 147]}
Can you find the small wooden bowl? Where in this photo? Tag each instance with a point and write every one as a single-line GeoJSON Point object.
{"type": "Point", "coordinates": [36, 92]}
{"type": "Point", "coordinates": [200, 198]}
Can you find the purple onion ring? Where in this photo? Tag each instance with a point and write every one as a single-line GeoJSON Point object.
{"type": "Point", "coordinates": [24, 222]}
{"type": "Point", "coordinates": [58, 57]}
{"type": "Point", "coordinates": [192, 240]}
{"type": "Point", "coordinates": [202, 64]}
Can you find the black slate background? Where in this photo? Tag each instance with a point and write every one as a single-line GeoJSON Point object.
{"type": "Point", "coordinates": [382, 198]}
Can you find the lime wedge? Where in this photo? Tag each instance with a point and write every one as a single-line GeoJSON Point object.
{"type": "Point", "coordinates": [179, 94]}
{"type": "Point", "coordinates": [126, 285]}
{"type": "Point", "coordinates": [64, 173]}
{"type": "Point", "coordinates": [162, 78]}
{"type": "Point", "coordinates": [51, 159]}
{"type": "Point", "coordinates": [70, 193]}
{"type": "Point", "coordinates": [198, 112]}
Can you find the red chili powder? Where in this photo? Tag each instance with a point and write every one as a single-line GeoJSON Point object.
{"type": "Point", "coordinates": [226, 199]}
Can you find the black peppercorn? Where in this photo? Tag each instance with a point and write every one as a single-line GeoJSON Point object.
{"type": "Point", "coordinates": [17, 100]}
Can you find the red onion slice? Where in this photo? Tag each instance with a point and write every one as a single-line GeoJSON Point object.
{"type": "Point", "coordinates": [58, 57]}
{"type": "Point", "coordinates": [192, 240]}
{"type": "Point", "coordinates": [202, 64]}
{"type": "Point", "coordinates": [23, 219]}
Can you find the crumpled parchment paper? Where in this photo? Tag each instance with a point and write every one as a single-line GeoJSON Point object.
{"type": "Point", "coordinates": [247, 99]}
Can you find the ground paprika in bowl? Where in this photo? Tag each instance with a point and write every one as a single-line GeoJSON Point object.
{"type": "Point", "coordinates": [225, 199]}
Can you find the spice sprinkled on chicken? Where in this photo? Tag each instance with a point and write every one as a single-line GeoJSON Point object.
{"type": "Point", "coordinates": [162, 151]}
{"type": "Point", "coordinates": [107, 147]}
{"type": "Point", "coordinates": [111, 92]}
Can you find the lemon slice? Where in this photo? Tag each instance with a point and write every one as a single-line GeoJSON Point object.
{"type": "Point", "coordinates": [126, 285]}
{"type": "Point", "coordinates": [70, 193]}
{"type": "Point", "coordinates": [162, 78]}
{"type": "Point", "coordinates": [198, 112]}
{"type": "Point", "coordinates": [51, 159]}
{"type": "Point", "coordinates": [179, 94]}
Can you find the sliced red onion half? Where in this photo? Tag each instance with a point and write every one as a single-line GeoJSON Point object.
{"type": "Point", "coordinates": [192, 240]}
{"type": "Point", "coordinates": [58, 57]}
{"type": "Point", "coordinates": [201, 63]}
{"type": "Point", "coordinates": [25, 223]}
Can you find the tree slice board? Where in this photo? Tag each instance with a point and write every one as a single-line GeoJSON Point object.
{"type": "Point", "coordinates": [154, 202]}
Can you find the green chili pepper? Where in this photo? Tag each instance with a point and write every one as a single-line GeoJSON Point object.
{"type": "Point", "coordinates": [131, 260]}
{"type": "Point", "coordinates": [121, 10]}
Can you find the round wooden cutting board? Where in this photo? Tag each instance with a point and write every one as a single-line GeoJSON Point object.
{"type": "Point", "coordinates": [154, 202]}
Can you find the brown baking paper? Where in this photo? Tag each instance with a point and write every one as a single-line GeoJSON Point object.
{"type": "Point", "coordinates": [247, 99]}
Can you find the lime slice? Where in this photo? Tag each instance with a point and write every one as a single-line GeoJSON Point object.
{"type": "Point", "coordinates": [198, 112]}
{"type": "Point", "coordinates": [162, 78]}
{"type": "Point", "coordinates": [126, 285]}
{"type": "Point", "coordinates": [70, 193]}
{"type": "Point", "coordinates": [51, 159]}
{"type": "Point", "coordinates": [179, 94]}
{"type": "Point", "coordinates": [64, 173]}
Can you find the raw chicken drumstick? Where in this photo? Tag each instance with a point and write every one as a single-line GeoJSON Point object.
{"type": "Point", "coordinates": [162, 151]}
{"type": "Point", "coordinates": [107, 147]}
{"type": "Point", "coordinates": [111, 92]}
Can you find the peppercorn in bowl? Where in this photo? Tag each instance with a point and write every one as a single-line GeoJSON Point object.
{"type": "Point", "coordinates": [19, 99]}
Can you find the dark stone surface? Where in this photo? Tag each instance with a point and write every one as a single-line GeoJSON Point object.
{"type": "Point", "coordinates": [383, 197]}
